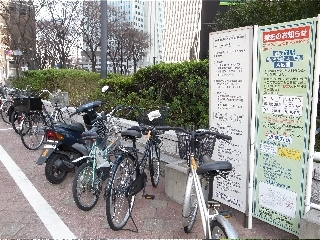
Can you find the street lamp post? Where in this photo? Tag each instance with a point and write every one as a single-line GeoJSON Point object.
{"type": "Point", "coordinates": [104, 39]}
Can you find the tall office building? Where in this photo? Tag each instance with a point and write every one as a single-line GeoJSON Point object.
{"type": "Point", "coordinates": [186, 28]}
{"type": "Point", "coordinates": [146, 16]}
{"type": "Point", "coordinates": [181, 33]}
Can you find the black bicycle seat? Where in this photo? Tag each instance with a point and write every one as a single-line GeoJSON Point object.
{"type": "Point", "coordinates": [77, 127]}
{"type": "Point", "coordinates": [130, 133]}
{"type": "Point", "coordinates": [214, 166]}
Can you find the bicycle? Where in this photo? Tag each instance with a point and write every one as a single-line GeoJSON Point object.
{"type": "Point", "coordinates": [127, 176]}
{"type": "Point", "coordinates": [36, 120]}
{"type": "Point", "coordinates": [88, 179]}
{"type": "Point", "coordinates": [201, 168]}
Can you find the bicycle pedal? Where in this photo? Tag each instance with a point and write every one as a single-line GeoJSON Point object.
{"type": "Point", "coordinates": [226, 213]}
{"type": "Point", "coordinates": [147, 196]}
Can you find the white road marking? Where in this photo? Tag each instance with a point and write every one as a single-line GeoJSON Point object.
{"type": "Point", "coordinates": [48, 216]}
{"type": "Point", "coordinates": [4, 129]}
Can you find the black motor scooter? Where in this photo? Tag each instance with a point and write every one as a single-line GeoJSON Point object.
{"type": "Point", "coordinates": [64, 143]}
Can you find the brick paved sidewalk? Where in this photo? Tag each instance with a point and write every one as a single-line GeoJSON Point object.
{"type": "Point", "coordinates": [158, 218]}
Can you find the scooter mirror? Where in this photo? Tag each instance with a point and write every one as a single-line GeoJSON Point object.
{"type": "Point", "coordinates": [105, 88]}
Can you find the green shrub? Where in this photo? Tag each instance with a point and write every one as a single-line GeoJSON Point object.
{"type": "Point", "coordinates": [79, 84]}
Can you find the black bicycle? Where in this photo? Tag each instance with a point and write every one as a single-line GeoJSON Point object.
{"type": "Point", "coordinates": [127, 177]}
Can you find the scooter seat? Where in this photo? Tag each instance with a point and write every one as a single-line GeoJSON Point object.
{"type": "Point", "coordinates": [89, 135]}
{"type": "Point", "coordinates": [131, 133]}
{"type": "Point", "coordinates": [77, 127]}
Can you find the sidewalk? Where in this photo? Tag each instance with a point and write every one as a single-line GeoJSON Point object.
{"type": "Point", "coordinates": [159, 218]}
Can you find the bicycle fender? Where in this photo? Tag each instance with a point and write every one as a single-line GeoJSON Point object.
{"type": "Point", "coordinates": [232, 234]}
{"type": "Point", "coordinates": [80, 148]}
{"type": "Point", "coordinates": [80, 158]}
{"type": "Point", "coordinates": [186, 203]}
{"type": "Point", "coordinates": [46, 153]}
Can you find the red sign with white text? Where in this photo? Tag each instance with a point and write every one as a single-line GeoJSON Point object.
{"type": "Point", "coordinates": [286, 34]}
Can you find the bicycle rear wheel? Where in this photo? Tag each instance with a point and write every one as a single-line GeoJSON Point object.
{"type": "Point", "coordinates": [217, 230]}
{"type": "Point", "coordinates": [154, 164]}
{"type": "Point", "coordinates": [86, 188]}
{"type": "Point", "coordinates": [5, 111]}
{"type": "Point", "coordinates": [16, 120]}
{"type": "Point", "coordinates": [190, 205]}
{"type": "Point", "coordinates": [118, 206]}
{"type": "Point", "coordinates": [32, 131]}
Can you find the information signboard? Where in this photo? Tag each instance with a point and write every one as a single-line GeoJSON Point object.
{"type": "Point", "coordinates": [284, 93]}
{"type": "Point", "coordinates": [230, 74]}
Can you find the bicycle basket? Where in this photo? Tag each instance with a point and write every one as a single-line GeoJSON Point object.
{"type": "Point", "coordinates": [102, 129]}
{"type": "Point", "coordinates": [203, 146]}
{"type": "Point", "coordinates": [61, 99]}
{"type": "Point", "coordinates": [27, 104]}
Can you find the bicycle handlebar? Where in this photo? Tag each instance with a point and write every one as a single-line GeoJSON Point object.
{"type": "Point", "coordinates": [218, 135]}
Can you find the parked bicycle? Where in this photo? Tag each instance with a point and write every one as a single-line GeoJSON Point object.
{"type": "Point", "coordinates": [127, 177]}
{"type": "Point", "coordinates": [88, 179]}
{"type": "Point", "coordinates": [204, 170]}
{"type": "Point", "coordinates": [37, 119]}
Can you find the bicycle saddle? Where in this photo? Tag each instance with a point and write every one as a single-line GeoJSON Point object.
{"type": "Point", "coordinates": [77, 127]}
{"type": "Point", "coordinates": [89, 135]}
{"type": "Point", "coordinates": [132, 132]}
{"type": "Point", "coordinates": [210, 165]}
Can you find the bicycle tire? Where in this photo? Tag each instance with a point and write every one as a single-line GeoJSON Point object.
{"type": "Point", "coordinates": [16, 120]}
{"type": "Point", "coordinates": [124, 164]}
{"type": "Point", "coordinates": [217, 230]}
{"type": "Point", "coordinates": [5, 111]}
{"type": "Point", "coordinates": [154, 164]}
{"type": "Point", "coordinates": [32, 133]}
{"type": "Point", "coordinates": [84, 176]}
{"type": "Point", "coordinates": [190, 205]}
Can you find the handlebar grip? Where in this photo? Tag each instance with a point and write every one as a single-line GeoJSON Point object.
{"type": "Point", "coordinates": [222, 136]}
{"type": "Point", "coordinates": [162, 128]}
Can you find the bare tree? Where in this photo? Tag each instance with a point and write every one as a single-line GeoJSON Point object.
{"type": "Point", "coordinates": [126, 43]}
{"type": "Point", "coordinates": [61, 31]}
{"type": "Point", "coordinates": [91, 28]}
{"type": "Point", "coordinates": [137, 44]}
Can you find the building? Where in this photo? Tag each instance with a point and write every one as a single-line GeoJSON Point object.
{"type": "Point", "coordinates": [22, 44]}
{"type": "Point", "coordinates": [146, 16]}
{"type": "Point", "coordinates": [186, 31]}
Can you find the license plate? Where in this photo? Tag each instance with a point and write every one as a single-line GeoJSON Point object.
{"type": "Point", "coordinates": [45, 152]}
{"type": "Point", "coordinates": [49, 146]}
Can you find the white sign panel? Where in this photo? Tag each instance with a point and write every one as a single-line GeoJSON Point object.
{"type": "Point", "coordinates": [230, 63]}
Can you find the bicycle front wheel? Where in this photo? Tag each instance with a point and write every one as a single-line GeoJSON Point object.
{"type": "Point", "coordinates": [217, 230]}
{"type": "Point", "coordinates": [32, 131]}
{"type": "Point", "coordinates": [190, 205]}
{"type": "Point", "coordinates": [86, 187]}
{"type": "Point", "coordinates": [118, 206]}
{"type": "Point", "coordinates": [154, 164]}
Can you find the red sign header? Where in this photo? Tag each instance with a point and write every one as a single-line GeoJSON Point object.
{"type": "Point", "coordinates": [286, 34]}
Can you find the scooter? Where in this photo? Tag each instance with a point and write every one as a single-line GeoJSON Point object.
{"type": "Point", "coordinates": [64, 143]}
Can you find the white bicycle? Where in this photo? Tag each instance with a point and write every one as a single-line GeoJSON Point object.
{"type": "Point", "coordinates": [201, 170]}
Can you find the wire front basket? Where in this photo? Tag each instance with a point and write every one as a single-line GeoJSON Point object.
{"type": "Point", "coordinates": [203, 146]}
{"type": "Point", "coordinates": [60, 99]}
